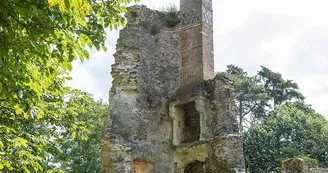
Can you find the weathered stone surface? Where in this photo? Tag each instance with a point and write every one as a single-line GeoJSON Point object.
{"type": "Point", "coordinates": [319, 170]}
{"type": "Point", "coordinates": [156, 124]}
{"type": "Point", "coordinates": [145, 76]}
{"type": "Point", "coordinates": [300, 166]}
{"type": "Point", "coordinates": [217, 155]}
{"type": "Point", "coordinates": [219, 147]}
{"type": "Point", "coordinates": [296, 166]}
{"type": "Point", "coordinates": [221, 97]}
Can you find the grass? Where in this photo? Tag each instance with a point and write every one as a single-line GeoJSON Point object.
{"type": "Point", "coordinates": [171, 15]}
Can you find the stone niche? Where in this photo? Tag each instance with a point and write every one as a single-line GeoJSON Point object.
{"type": "Point", "coordinates": [143, 167]}
{"type": "Point", "coordinates": [187, 121]}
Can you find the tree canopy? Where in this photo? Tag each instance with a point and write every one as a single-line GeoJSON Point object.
{"type": "Point", "coordinates": [279, 124]}
{"type": "Point", "coordinates": [292, 130]}
{"type": "Point", "coordinates": [39, 39]}
{"type": "Point", "coordinates": [254, 94]}
{"type": "Point", "coordinates": [76, 154]}
{"type": "Point", "coordinates": [279, 89]}
{"type": "Point", "coordinates": [251, 97]}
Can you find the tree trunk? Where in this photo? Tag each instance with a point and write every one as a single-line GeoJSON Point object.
{"type": "Point", "coordinates": [273, 97]}
{"type": "Point", "coordinates": [240, 116]}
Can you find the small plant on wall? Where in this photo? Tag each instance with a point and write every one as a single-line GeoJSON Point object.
{"type": "Point", "coordinates": [171, 15]}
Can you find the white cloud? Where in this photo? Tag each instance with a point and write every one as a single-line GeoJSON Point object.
{"type": "Point", "coordinates": [315, 88]}
{"type": "Point", "coordinates": [251, 44]}
{"type": "Point", "coordinates": [289, 37]}
{"type": "Point", "coordinates": [93, 75]}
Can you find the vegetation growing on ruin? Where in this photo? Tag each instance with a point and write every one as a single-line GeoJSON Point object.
{"type": "Point", "coordinates": [171, 15]}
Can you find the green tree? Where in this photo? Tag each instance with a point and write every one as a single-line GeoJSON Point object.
{"type": "Point", "coordinates": [278, 89]}
{"type": "Point", "coordinates": [292, 130]}
{"type": "Point", "coordinates": [26, 142]}
{"type": "Point", "coordinates": [250, 95]}
{"type": "Point", "coordinates": [78, 155]}
{"type": "Point", "coordinates": [39, 39]}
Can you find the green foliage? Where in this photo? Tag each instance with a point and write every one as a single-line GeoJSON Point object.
{"type": "Point", "coordinates": [251, 97]}
{"type": "Point", "coordinates": [39, 39]}
{"type": "Point", "coordinates": [254, 93]}
{"type": "Point", "coordinates": [292, 130]}
{"type": "Point", "coordinates": [27, 141]}
{"type": "Point", "coordinates": [171, 15]}
{"type": "Point", "coordinates": [235, 70]}
{"type": "Point", "coordinates": [279, 89]}
{"type": "Point", "coordinates": [77, 155]}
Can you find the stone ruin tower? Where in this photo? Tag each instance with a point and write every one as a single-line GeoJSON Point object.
{"type": "Point", "coordinates": [169, 112]}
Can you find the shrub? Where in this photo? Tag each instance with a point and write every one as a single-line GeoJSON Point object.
{"type": "Point", "coordinates": [171, 15]}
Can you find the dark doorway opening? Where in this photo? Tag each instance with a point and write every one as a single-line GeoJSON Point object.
{"type": "Point", "coordinates": [195, 167]}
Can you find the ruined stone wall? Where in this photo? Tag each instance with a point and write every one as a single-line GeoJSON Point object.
{"type": "Point", "coordinates": [220, 147]}
{"type": "Point", "coordinates": [319, 170]}
{"type": "Point", "coordinates": [221, 122]}
{"type": "Point", "coordinates": [145, 131]}
{"type": "Point", "coordinates": [221, 106]}
{"type": "Point", "coordinates": [300, 166]}
{"type": "Point", "coordinates": [145, 76]}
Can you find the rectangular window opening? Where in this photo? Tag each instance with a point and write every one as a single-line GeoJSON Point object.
{"type": "Point", "coordinates": [191, 123]}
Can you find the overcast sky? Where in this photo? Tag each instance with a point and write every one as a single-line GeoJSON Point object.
{"type": "Point", "coordinates": [287, 36]}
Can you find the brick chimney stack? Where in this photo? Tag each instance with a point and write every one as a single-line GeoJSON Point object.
{"type": "Point", "coordinates": [196, 43]}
